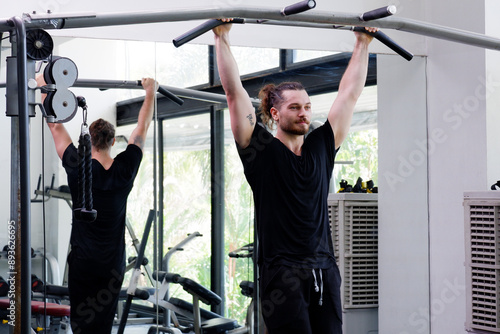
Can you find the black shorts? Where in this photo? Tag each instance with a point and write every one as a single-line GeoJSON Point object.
{"type": "Point", "coordinates": [290, 300]}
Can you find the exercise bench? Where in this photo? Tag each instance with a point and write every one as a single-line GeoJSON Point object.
{"type": "Point", "coordinates": [57, 315]}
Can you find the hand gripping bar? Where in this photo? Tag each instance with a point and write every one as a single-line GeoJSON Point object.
{"type": "Point", "coordinates": [379, 35]}
{"type": "Point", "coordinates": [383, 38]}
{"type": "Point", "coordinates": [167, 94]}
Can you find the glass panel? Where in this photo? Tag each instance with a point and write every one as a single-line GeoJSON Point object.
{"type": "Point", "coordinates": [187, 203]}
{"type": "Point", "coordinates": [187, 197]}
{"type": "Point", "coordinates": [357, 156]}
{"type": "Point", "coordinates": [302, 55]}
{"type": "Point", "coordinates": [179, 67]}
{"type": "Point", "coordinates": [252, 60]}
{"type": "Point", "coordinates": [239, 223]}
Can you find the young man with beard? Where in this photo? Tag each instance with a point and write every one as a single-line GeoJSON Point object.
{"type": "Point", "coordinates": [290, 175]}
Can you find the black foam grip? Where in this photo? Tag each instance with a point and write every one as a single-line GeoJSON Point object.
{"type": "Point", "coordinates": [195, 288]}
{"type": "Point", "coordinates": [170, 96]}
{"type": "Point", "coordinates": [141, 294]}
{"type": "Point", "coordinates": [383, 38]}
{"type": "Point", "coordinates": [298, 7]}
{"type": "Point", "coordinates": [200, 30]}
{"type": "Point", "coordinates": [378, 13]}
{"type": "Point", "coordinates": [57, 290]}
{"type": "Point", "coordinates": [168, 277]}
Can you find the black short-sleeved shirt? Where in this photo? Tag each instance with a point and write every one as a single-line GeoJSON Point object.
{"type": "Point", "coordinates": [103, 240]}
{"type": "Point", "coordinates": [290, 194]}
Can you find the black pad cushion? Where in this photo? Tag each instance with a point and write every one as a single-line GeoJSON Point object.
{"type": "Point", "coordinates": [218, 325]}
{"type": "Point", "coordinates": [205, 295]}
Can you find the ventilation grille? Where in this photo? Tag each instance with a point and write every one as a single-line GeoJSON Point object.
{"type": "Point", "coordinates": [355, 239]}
{"type": "Point", "coordinates": [483, 267]}
{"type": "Point", "coordinates": [333, 213]}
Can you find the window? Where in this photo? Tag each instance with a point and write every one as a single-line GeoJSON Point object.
{"type": "Point", "coordinates": [178, 67]}
{"type": "Point", "coordinates": [357, 156]}
{"type": "Point", "coordinates": [251, 60]}
{"type": "Point", "coordinates": [239, 223]}
{"type": "Point", "coordinates": [302, 55]}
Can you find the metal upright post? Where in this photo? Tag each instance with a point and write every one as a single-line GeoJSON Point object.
{"type": "Point", "coordinates": [217, 170]}
{"type": "Point", "coordinates": [20, 199]}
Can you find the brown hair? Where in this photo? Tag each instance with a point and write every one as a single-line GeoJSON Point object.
{"type": "Point", "coordinates": [271, 96]}
{"type": "Point", "coordinates": [102, 134]}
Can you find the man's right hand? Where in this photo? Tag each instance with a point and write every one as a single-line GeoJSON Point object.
{"type": "Point", "coordinates": [223, 28]}
{"type": "Point", "coordinates": [150, 85]}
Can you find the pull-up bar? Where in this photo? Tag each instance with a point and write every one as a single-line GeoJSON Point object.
{"type": "Point", "coordinates": [311, 19]}
{"type": "Point", "coordinates": [302, 7]}
{"type": "Point", "coordinates": [175, 91]}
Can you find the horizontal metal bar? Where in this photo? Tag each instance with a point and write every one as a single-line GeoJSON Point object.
{"type": "Point", "coordinates": [403, 24]}
{"type": "Point", "coordinates": [314, 18]}
{"type": "Point", "coordinates": [134, 84]}
{"type": "Point", "coordinates": [204, 96]}
{"type": "Point", "coordinates": [439, 32]}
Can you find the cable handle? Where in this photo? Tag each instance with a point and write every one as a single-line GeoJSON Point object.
{"type": "Point", "coordinates": [383, 38]}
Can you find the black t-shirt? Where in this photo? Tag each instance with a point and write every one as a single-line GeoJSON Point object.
{"type": "Point", "coordinates": [291, 197]}
{"type": "Point", "coordinates": [103, 241]}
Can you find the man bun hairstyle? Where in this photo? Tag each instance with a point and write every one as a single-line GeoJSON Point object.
{"type": "Point", "coordinates": [271, 96]}
{"type": "Point", "coordinates": [102, 134]}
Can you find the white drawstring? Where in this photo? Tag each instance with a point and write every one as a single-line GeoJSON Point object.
{"type": "Point", "coordinates": [321, 285]}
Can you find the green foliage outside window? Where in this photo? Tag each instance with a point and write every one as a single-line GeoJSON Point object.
{"type": "Point", "coordinates": [360, 148]}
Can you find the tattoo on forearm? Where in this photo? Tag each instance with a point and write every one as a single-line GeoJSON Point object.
{"type": "Point", "coordinates": [250, 118]}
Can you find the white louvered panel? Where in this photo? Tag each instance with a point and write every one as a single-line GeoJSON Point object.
{"type": "Point", "coordinates": [482, 231]}
{"type": "Point", "coordinates": [333, 213]}
{"type": "Point", "coordinates": [357, 242]}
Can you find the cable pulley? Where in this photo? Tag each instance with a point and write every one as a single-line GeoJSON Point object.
{"type": "Point", "coordinates": [39, 44]}
{"type": "Point", "coordinates": [61, 104]}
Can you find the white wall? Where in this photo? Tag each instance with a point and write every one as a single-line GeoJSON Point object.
{"type": "Point", "coordinates": [493, 102]}
{"type": "Point", "coordinates": [457, 105]}
{"type": "Point", "coordinates": [403, 202]}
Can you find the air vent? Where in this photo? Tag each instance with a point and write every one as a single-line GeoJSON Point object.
{"type": "Point", "coordinates": [354, 222]}
{"type": "Point", "coordinates": [482, 233]}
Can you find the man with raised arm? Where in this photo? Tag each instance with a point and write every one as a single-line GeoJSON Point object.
{"type": "Point", "coordinates": [97, 258]}
{"type": "Point", "coordinates": [289, 175]}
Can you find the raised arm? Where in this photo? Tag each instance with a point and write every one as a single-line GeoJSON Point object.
{"type": "Point", "coordinates": [138, 136]}
{"type": "Point", "coordinates": [61, 137]}
{"type": "Point", "coordinates": [350, 88]}
{"type": "Point", "coordinates": [241, 111]}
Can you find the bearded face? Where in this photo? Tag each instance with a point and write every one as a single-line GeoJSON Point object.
{"type": "Point", "coordinates": [293, 116]}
